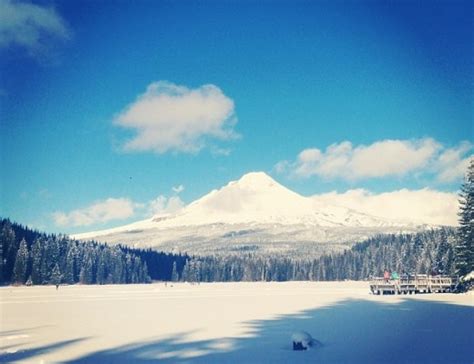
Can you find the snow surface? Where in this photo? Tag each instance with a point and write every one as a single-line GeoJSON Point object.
{"type": "Point", "coordinates": [255, 209]}
{"type": "Point", "coordinates": [232, 323]}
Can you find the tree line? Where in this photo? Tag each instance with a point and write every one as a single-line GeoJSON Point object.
{"type": "Point", "coordinates": [32, 257]}
{"type": "Point", "coordinates": [37, 258]}
{"type": "Point", "coordinates": [429, 252]}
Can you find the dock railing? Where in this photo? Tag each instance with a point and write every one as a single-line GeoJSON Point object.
{"type": "Point", "coordinates": [413, 284]}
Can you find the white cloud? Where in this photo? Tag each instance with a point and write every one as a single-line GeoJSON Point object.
{"type": "Point", "coordinates": [281, 167]}
{"type": "Point", "coordinates": [178, 189]}
{"type": "Point", "coordinates": [222, 152]}
{"type": "Point", "coordinates": [168, 117]}
{"type": "Point", "coordinates": [99, 212]}
{"type": "Point", "coordinates": [30, 26]}
{"type": "Point", "coordinates": [425, 205]}
{"type": "Point", "coordinates": [453, 162]}
{"type": "Point", "coordinates": [380, 159]}
{"type": "Point", "coordinates": [163, 205]}
{"type": "Point", "coordinates": [118, 209]}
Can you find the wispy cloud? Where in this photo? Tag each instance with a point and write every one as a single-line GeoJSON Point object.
{"type": "Point", "coordinates": [164, 205]}
{"type": "Point", "coordinates": [32, 27]}
{"type": "Point", "coordinates": [168, 117]}
{"type": "Point", "coordinates": [99, 212]}
{"type": "Point", "coordinates": [425, 205]}
{"type": "Point", "coordinates": [117, 209]}
{"type": "Point", "coordinates": [178, 189]}
{"type": "Point", "coordinates": [452, 163]}
{"type": "Point", "coordinates": [380, 159]}
{"type": "Point", "coordinates": [220, 152]}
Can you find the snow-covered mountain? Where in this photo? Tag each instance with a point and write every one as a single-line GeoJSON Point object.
{"type": "Point", "coordinates": [253, 213]}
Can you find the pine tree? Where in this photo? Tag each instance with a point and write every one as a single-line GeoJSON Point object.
{"type": "Point", "coordinates": [46, 259]}
{"type": "Point", "coordinates": [465, 234]}
{"type": "Point", "coordinates": [117, 269]}
{"type": "Point", "coordinates": [144, 276]}
{"type": "Point", "coordinates": [9, 246]}
{"type": "Point", "coordinates": [50, 257]}
{"type": "Point", "coordinates": [56, 275]}
{"type": "Point", "coordinates": [185, 276]}
{"type": "Point", "coordinates": [86, 275]}
{"type": "Point", "coordinates": [70, 269]}
{"type": "Point", "coordinates": [101, 274]}
{"type": "Point", "coordinates": [21, 263]}
{"type": "Point", "coordinates": [37, 258]}
{"type": "Point", "coordinates": [174, 273]}
{"type": "Point", "coordinates": [128, 268]}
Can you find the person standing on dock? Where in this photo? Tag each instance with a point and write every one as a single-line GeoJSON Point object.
{"type": "Point", "coordinates": [386, 275]}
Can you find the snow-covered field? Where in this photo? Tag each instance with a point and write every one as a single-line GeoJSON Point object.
{"type": "Point", "coordinates": [232, 323]}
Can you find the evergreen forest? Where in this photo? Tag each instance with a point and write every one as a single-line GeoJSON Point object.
{"type": "Point", "coordinates": [32, 257]}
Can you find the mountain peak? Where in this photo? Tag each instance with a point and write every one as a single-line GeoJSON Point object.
{"type": "Point", "coordinates": [258, 208]}
{"type": "Point", "coordinates": [256, 179]}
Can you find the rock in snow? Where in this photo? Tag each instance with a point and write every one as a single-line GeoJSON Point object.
{"type": "Point", "coordinates": [301, 340]}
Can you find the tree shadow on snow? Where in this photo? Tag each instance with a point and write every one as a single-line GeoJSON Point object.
{"type": "Point", "coordinates": [352, 331]}
{"type": "Point", "coordinates": [20, 331]}
{"type": "Point", "coordinates": [29, 354]}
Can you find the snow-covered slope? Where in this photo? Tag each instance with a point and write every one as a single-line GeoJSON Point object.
{"type": "Point", "coordinates": [254, 210]}
{"type": "Point", "coordinates": [256, 197]}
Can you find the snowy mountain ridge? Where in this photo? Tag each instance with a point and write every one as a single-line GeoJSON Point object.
{"type": "Point", "coordinates": [252, 210]}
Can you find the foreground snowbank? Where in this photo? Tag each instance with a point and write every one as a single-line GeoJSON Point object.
{"type": "Point", "coordinates": [233, 323]}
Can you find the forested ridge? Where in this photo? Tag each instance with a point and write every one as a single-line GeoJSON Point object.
{"type": "Point", "coordinates": [429, 252]}
{"type": "Point", "coordinates": [38, 258]}
{"type": "Point", "coordinates": [33, 257]}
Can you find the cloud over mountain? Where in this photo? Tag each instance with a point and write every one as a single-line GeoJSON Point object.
{"type": "Point", "coordinates": [99, 212]}
{"type": "Point", "coordinates": [424, 206]}
{"type": "Point", "coordinates": [381, 159]}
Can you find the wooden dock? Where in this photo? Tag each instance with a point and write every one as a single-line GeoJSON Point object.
{"type": "Point", "coordinates": [420, 283]}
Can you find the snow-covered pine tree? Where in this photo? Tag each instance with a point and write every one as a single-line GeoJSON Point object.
{"type": "Point", "coordinates": [86, 275]}
{"type": "Point", "coordinates": [128, 268]}
{"type": "Point", "coordinates": [21, 263]}
{"type": "Point", "coordinates": [174, 273]}
{"type": "Point", "coordinates": [101, 274]}
{"type": "Point", "coordinates": [118, 269]}
{"type": "Point", "coordinates": [56, 275]}
{"type": "Point", "coordinates": [37, 257]}
{"type": "Point", "coordinates": [185, 276]}
{"type": "Point", "coordinates": [9, 246]}
{"type": "Point", "coordinates": [465, 233]}
{"type": "Point", "coordinates": [70, 268]}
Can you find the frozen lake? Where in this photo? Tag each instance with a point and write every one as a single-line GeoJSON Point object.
{"type": "Point", "coordinates": [232, 323]}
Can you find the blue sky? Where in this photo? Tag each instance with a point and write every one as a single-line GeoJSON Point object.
{"type": "Point", "coordinates": [324, 96]}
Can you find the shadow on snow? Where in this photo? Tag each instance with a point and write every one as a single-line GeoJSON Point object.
{"type": "Point", "coordinates": [352, 331]}
{"type": "Point", "coordinates": [28, 354]}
